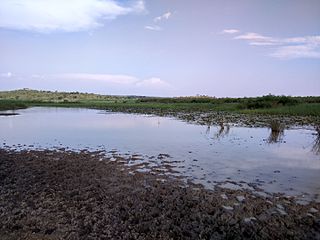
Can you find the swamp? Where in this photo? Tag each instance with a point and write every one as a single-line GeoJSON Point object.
{"type": "Point", "coordinates": [159, 120]}
{"type": "Point", "coordinates": [72, 172]}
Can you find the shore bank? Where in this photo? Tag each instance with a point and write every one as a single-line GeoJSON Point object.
{"type": "Point", "coordinates": [68, 195]}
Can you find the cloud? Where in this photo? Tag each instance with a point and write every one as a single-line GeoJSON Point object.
{"type": "Point", "coordinates": [285, 48]}
{"type": "Point", "coordinates": [257, 39]}
{"type": "Point", "coordinates": [299, 51]}
{"type": "Point", "coordinates": [164, 16]}
{"type": "Point", "coordinates": [157, 20]}
{"type": "Point", "coordinates": [107, 78]}
{"type": "Point", "coordinates": [153, 28]}
{"type": "Point", "coordinates": [118, 84]}
{"type": "Point", "coordinates": [127, 80]}
{"type": "Point", "coordinates": [153, 82]}
{"type": "Point", "coordinates": [6, 75]}
{"type": "Point", "coordinates": [230, 31]}
{"type": "Point", "coordinates": [60, 15]}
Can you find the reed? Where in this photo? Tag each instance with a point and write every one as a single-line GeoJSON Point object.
{"type": "Point", "coordinates": [277, 131]}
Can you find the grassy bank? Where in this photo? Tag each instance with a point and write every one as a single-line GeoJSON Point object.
{"type": "Point", "coordinates": [302, 109]}
{"type": "Point", "coordinates": [278, 105]}
{"type": "Point", "coordinates": [11, 105]}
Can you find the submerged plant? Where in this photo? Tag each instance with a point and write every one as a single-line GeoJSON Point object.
{"type": "Point", "coordinates": [277, 131]}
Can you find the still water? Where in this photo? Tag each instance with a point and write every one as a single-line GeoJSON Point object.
{"type": "Point", "coordinates": [242, 156]}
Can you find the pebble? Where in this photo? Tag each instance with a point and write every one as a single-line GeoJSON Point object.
{"type": "Point", "coordinates": [224, 196]}
{"type": "Point", "coordinates": [269, 202]}
{"type": "Point", "coordinates": [279, 206]}
{"type": "Point", "coordinates": [228, 208]}
{"type": "Point", "coordinates": [261, 194]}
{"type": "Point", "coordinates": [249, 219]}
{"type": "Point", "coordinates": [281, 210]}
{"type": "Point", "coordinates": [240, 198]}
{"type": "Point", "coordinates": [313, 210]}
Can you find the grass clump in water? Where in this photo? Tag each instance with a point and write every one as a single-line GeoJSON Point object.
{"type": "Point", "coordinates": [277, 131]}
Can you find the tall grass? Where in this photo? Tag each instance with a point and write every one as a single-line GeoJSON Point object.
{"type": "Point", "coordinates": [277, 131]}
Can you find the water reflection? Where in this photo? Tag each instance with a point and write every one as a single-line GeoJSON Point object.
{"type": "Point", "coordinates": [316, 143]}
{"type": "Point", "coordinates": [222, 131]}
{"type": "Point", "coordinates": [277, 132]}
{"type": "Point", "coordinates": [240, 153]}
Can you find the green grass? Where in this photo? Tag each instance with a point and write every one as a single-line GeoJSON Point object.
{"type": "Point", "coordinates": [138, 106]}
{"type": "Point", "coordinates": [11, 105]}
{"type": "Point", "coordinates": [303, 109]}
{"type": "Point", "coordinates": [270, 104]}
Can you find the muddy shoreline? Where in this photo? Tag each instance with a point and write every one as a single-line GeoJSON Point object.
{"type": "Point", "coordinates": [68, 195]}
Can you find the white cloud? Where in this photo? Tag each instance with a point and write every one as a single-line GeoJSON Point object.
{"type": "Point", "coordinates": [285, 48]}
{"type": "Point", "coordinates": [153, 82]}
{"type": "Point", "coordinates": [62, 15]}
{"type": "Point", "coordinates": [127, 80]}
{"type": "Point", "coordinates": [230, 31]}
{"type": "Point", "coordinates": [257, 39]}
{"type": "Point", "coordinates": [157, 20]}
{"type": "Point", "coordinates": [298, 51]}
{"type": "Point", "coordinates": [107, 78]}
{"type": "Point", "coordinates": [153, 28]}
{"type": "Point", "coordinates": [164, 16]}
{"type": "Point", "coordinates": [6, 75]}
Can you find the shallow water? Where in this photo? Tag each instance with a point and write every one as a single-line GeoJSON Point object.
{"type": "Point", "coordinates": [243, 156]}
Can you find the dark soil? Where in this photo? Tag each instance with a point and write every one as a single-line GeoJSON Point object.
{"type": "Point", "coordinates": [67, 195]}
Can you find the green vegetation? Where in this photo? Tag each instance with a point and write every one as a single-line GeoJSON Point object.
{"type": "Point", "coordinates": [269, 104]}
{"type": "Point", "coordinates": [11, 105]}
{"type": "Point", "coordinates": [301, 109]}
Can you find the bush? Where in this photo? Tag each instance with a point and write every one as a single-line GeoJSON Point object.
{"type": "Point", "coordinates": [269, 101]}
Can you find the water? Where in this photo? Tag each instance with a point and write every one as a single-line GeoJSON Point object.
{"type": "Point", "coordinates": [243, 156]}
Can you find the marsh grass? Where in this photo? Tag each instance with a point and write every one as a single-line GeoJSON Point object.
{"type": "Point", "coordinates": [277, 131]}
{"type": "Point", "coordinates": [11, 105]}
{"type": "Point", "coordinates": [269, 104]}
{"type": "Point", "coordinates": [302, 109]}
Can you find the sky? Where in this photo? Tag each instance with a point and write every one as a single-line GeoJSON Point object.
{"type": "Point", "coordinates": [227, 48]}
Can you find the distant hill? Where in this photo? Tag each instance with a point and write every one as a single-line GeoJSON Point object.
{"type": "Point", "coordinates": [55, 96]}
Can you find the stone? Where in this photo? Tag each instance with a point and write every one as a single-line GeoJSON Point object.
{"type": "Point", "coordinates": [313, 210]}
{"type": "Point", "coordinates": [249, 219]}
{"type": "Point", "coordinates": [228, 208]}
{"type": "Point", "coordinates": [240, 198]}
{"type": "Point", "coordinates": [279, 206]}
{"type": "Point", "coordinates": [224, 196]}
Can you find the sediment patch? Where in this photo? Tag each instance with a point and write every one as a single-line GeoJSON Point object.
{"type": "Point", "coordinates": [68, 195]}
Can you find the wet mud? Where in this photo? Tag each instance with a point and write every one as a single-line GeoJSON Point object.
{"type": "Point", "coordinates": [69, 195]}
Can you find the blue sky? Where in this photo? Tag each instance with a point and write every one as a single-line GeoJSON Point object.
{"type": "Point", "coordinates": [161, 47]}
